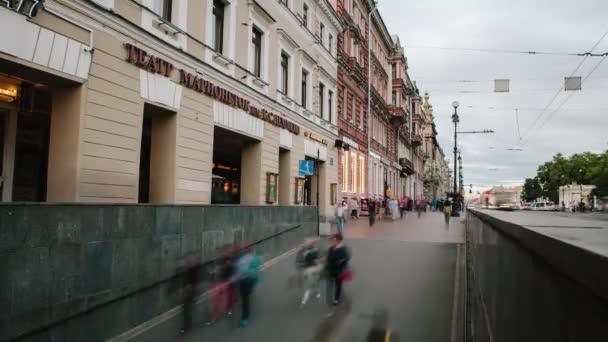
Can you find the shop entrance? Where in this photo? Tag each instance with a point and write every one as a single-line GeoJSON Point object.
{"type": "Point", "coordinates": [228, 156]}
{"type": "Point", "coordinates": [157, 155]}
{"type": "Point", "coordinates": [31, 157]}
{"type": "Point", "coordinates": [24, 141]}
{"type": "Point", "coordinates": [310, 184]}
{"type": "Point", "coordinates": [284, 176]}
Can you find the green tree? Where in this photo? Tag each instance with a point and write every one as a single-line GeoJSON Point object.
{"type": "Point", "coordinates": [580, 168]}
{"type": "Point", "coordinates": [532, 189]}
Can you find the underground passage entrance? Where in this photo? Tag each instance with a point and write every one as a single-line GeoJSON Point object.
{"type": "Point", "coordinates": [231, 151]}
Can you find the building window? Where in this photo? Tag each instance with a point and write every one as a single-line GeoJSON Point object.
{"type": "Point", "coordinates": [330, 104]}
{"type": "Point", "coordinates": [305, 15]}
{"type": "Point", "coordinates": [321, 98]}
{"type": "Point", "coordinates": [344, 102]}
{"type": "Point", "coordinates": [345, 171]}
{"type": "Point", "coordinates": [284, 72]}
{"type": "Point", "coordinates": [304, 97]}
{"type": "Point", "coordinates": [330, 44]}
{"type": "Point", "coordinates": [256, 40]}
{"type": "Point", "coordinates": [353, 172]}
{"type": "Point", "coordinates": [362, 174]}
{"type": "Point", "coordinates": [163, 8]}
{"type": "Point", "coordinates": [353, 108]}
{"type": "Point", "coordinates": [322, 33]}
{"type": "Point", "coordinates": [394, 71]}
{"type": "Point", "coordinates": [394, 98]}
{"type": "Point", "coordinates": [218, 25]}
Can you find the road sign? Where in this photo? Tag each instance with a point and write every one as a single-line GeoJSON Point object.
{"type": "Point", "coordinates": [307, 167]}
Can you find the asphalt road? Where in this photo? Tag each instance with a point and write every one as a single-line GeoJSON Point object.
{"type": "Point", "coordinates": [407, 268]}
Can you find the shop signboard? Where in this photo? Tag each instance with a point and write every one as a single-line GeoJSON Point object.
{"type": "Point", "coordinates": [27, 7]}
{"type": "Point", "coordinates": [307, 167]}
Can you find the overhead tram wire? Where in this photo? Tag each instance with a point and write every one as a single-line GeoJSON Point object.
{"type": "Point", "coordinates": [526, 133]}
{"type": "Point", "coordinates": [553, 112]}
{"type": "Point", "coordinates": [519, 52]}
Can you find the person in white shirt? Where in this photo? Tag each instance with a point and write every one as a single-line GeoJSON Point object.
{"type": "Point", "coordinates": [340, 210]}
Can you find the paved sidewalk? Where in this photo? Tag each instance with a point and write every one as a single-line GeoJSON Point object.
{"type": "Point", "coordinates": [429, 227]}
{"type": "Point", "coordinates": [405, 267]}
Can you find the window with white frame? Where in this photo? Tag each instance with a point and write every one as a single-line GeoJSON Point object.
{"type": "Point", "coordinates": [322, 33]}
{"type": "Point", "coordinates": [256, 42]}
{"type": "Point", "coordinates": [330, 105]}
{"type": "Point", "coordinates": [353, 108]}
{"type": "Point", "coordinates": [362, 174]}
{"type": "Point", "coordinates": [284, 72]}
{"type": "Point", "coordinates": [344, 102]}
{"type": "Point", "coordinates": [217, 26]}
{"type": "Point", "coordinates": [321, 98]}
{"type": "Point", "coordinates": [304, 89]}
{"type": "Point", "coordinates": [345, 171]}
{"type": "Point", "coordinates": [305, 14]}
{"type": "Point", "coordinates": [353, 172]}
{"type": "Point", "coordinates": [163, 8]}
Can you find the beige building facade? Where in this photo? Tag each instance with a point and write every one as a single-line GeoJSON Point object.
{"type": "Point", "coordinates": [158, 101]}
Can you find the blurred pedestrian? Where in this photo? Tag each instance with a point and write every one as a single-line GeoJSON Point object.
{"type": "Point", "coordinates": [339, 212]}
{"type": "Point", "coordinates": [371, 212]}
{"type": "Point", "coordinates": [354, 208]}
{"type": "Point", "coordinates": [420, 206]}
{"type": "Point", "coordinates": [224, 289]}
{"type": "Point", "coordinates": [402, 206]}
{"type": "Point", "coordinates": [336, 267]}
{"type": "Point", "coordinates": [447, 210]}
{"type": "Point", "coordinates": [345, 207]}
{"type": "Point", "coordinates": [247, 277]}
{"type": "Point", "coordinates": [393, 204]}
{"type": "Point", "coordinates": [187, 279]}
{"type": "Point", "coordinates": [308, 260]}
{"type": "Point", "coordinates": [380, 331]}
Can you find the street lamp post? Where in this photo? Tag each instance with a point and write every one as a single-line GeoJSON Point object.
{"type": "Point", "coordinates": [455, 119]}
{"type": "Point", "coordinates": [460, 177]}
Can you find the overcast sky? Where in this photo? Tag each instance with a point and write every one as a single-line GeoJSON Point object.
{"type": "Point", "coordinates": [540, 25]}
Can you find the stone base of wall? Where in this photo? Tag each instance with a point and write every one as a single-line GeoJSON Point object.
{"type": "Point", "coordinates": [90, 272]}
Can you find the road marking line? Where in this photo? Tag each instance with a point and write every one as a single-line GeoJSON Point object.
{"type": "Point", "coordinates": [165, 316]}
{"type": "Point", "coordinates": [455, 301]}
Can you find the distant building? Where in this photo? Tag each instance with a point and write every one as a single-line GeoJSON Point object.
{"type": "Point", "coordinates": [436, 176]}
{"type": "Point", "coordinates": [571, 195]}
{"type": "Point", "coordinates": [500, 195]}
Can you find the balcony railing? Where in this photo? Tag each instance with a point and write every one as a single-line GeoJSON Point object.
{"type": "Point", "coordinates": [356, 70]}
{"type": "Point", "coordinates": [416, 140]}
{"type": "Point", "coordinates": [407, 165]}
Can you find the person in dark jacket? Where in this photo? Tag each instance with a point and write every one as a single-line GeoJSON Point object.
{"type": "Point", "coordinates": [337, 262]}
{"type": "Point", "coordinates": [371, 212]}
{"type": "Point", "coordinates": [188, 280]}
